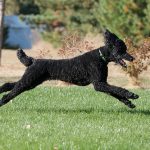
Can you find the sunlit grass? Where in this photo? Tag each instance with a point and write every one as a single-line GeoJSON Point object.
{"type": "Point", "coordinates": [74, 118]}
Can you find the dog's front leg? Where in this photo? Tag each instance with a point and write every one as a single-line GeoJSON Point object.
{"type": "Point", "coordinates": [117, 92]}
{"type": "Point", "coordinates": [124, 100]}
{"type": "Point", "coordinates": [113, 90]}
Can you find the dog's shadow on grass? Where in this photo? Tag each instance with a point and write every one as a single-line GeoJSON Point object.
{"type": "Point", "coordinates": [128, 111]}
{"type": "Point", "coordinates": [64, 110]}
{"type": "Point", "coordinates": [87, 110]}
{"type": "Point", "coordinates": [137, 111]}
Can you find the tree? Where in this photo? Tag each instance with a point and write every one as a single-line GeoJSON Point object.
{"type": "Point", "coordinates": [2, 8]}
{"type": "Point", "coordinates": [12, 7]}
{"type": "Point", "coordinates": [126, 18]}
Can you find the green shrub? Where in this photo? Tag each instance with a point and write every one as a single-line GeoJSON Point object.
{"type": "Point", "coordinates": [125, 18]}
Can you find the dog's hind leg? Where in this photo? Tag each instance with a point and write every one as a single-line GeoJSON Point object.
{"type": "Point", "coordinates": [29, 80]}
{"type": "Point", "coordinates": [13, 93]}
{"type": "Point", "coordinates": [7, 87]}
{"type": "Point", "coordinates": [18, 89]}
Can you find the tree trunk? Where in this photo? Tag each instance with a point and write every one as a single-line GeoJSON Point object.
{"type": "Point", "coordinates": [2, 8]}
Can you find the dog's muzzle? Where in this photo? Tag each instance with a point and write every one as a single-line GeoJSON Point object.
{"type": "Point", "coordinates": [127, 57]}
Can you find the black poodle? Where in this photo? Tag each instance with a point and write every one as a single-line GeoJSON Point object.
{"type": "Point", "coordinates": [83, 70]}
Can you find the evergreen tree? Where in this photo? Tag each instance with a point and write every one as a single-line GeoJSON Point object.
{"type": "Point", "coordinates": [125, 18]}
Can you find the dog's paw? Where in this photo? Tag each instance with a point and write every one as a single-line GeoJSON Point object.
{"type": "Point", "coordinates": [131, 105]}
{"type": "Point", "coordinates": [1, 103]}
{"type": "Point", "coordinates": [135, 96]}
{"type": "Point", "coordinates": [132, 96]}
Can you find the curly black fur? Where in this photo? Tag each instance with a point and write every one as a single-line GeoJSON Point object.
{"type": "Point", "coordinates": [90, 67]}
{"type": "Point", "coordinates": [27, 61]}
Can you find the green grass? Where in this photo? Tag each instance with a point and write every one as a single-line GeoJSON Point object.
{"type": "Point", "coordinates": [74, 118]}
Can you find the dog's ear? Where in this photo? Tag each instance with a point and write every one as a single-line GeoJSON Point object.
{"type": "Point", "coordinates": [106, 32]}
{"type": "Point", "coordinates": [109, 37]}
{"type": "Point", "coordinates": [120, 45]}
{"type": "Point", "coordinates": [109, 34]}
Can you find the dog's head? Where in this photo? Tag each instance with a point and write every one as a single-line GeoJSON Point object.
{"type": "Point", "coordinates": [117, 49]}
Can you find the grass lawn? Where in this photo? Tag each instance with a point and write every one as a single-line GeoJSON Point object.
{"type": "Point", "coordinates": [74, 118]}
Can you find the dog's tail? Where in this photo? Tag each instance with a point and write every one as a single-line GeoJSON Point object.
{"type": "Point", "coordinates": [26, 60]}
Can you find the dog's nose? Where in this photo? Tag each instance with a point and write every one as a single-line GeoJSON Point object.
{"type": "Point", "coordinates": [128, 57]}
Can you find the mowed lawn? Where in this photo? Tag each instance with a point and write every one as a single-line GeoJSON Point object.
{"type": "Point", "coordinates": [74, 118]}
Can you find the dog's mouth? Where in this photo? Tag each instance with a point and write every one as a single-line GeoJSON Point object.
{"type": "Point", "coordinates": [122, 63]}
{"type": "Point", "coordinates": [127, 57]}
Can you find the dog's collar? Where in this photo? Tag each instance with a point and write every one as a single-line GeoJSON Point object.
{"type": "Point", "coordinates": [101, 55]}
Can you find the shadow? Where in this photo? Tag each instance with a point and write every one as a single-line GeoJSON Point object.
{"type": "Point", "coordinates": [144, 112]}
{"type": "Point", "coordinates": [128, 111]}
{"type": "Point", "coordinates": [67, 111]}
{"type": "Point", "coordinates": [57, 110]}
{"type": "Point", "coordinates": [86, 110]}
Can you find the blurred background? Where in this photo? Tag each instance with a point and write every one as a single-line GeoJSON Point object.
{"type": "Point", "coordinates": [66, 28]}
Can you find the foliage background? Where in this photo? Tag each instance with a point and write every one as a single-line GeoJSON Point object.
{"type": "Point", "coordinates": [126, 18]}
